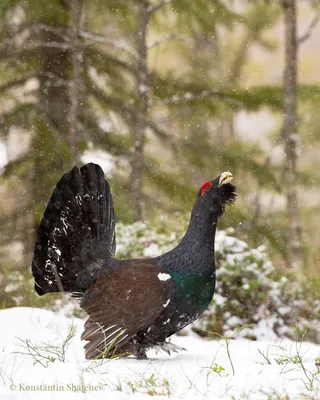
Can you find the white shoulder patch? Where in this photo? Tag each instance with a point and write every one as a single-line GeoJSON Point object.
{"type": "Point", "coordinates": [163, 277]}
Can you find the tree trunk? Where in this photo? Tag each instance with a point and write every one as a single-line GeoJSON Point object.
{"type": "Point", "coordinates": [54, 74]}
{"type": "Point", "coordinates": [52, 153]}
{"type": "Point", "coordinates": [76, 82]}
{"type": "Point", "coordinates": [142, 114]}
{"type": "Point", "coordinates": [290, 135]}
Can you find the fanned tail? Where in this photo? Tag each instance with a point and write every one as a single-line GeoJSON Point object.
{"type": "Point", "coordinates": [77, 233]}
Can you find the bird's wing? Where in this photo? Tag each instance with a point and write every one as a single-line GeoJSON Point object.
{"type": "Point", "coordinates": [121, 303]}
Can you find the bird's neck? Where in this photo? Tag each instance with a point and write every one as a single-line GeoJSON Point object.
{"type": "Point", "coordinates": [201, 232]}
{"type": "Point", "coordinates": [195, 253]}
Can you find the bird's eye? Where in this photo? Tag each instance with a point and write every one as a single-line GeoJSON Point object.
{"type": "Point", "coordinates": [205, 187]}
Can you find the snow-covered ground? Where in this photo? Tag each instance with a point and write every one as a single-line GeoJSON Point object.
{"type": "Point", "coordinates": [262, 370]}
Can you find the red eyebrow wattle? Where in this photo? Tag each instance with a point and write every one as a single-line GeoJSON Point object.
{"type": "Point", "coordinates": [205, 186]}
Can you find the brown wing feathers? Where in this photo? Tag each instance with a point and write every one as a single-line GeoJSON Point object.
{"type": "Point", "coordinates": [120, 304]}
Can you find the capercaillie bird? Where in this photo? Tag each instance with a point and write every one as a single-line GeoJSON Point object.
{"type": "Point", "coordinates": [132, 305]}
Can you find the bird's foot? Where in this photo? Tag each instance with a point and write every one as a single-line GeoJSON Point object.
{"type": "Point", "coordinates": [168, 347]}
{"type": "Point", "coordinates": [141, 354]}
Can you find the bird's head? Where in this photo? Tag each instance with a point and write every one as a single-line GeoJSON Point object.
{"type": "Point", "coordinates": [215, 195]}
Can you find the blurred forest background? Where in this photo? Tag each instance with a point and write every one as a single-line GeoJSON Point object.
{"type": "Point", "coordinates": [164, 95]}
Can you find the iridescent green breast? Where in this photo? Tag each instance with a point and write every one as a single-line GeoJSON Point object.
{"type": "Point", "coordinates": [196, 289]}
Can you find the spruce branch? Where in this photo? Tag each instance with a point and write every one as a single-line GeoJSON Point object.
{"type": "Point", "coordinates": [310, 29]}
{"type": "Point", "coordinates": [64, 46]}
{"type": "Point", "coordinates": [159, 131]}
{"type": "Point", "coordinates": [156, 7]}
{"type": "Point", "coordinates": [166, 137]}
{"type": "Point", "coordinates": [115, 104]}
{"type": "Point", "coordinates": [16, 82]}
{"type": "Point", "coordinates": [34, 26]}
{"type": "Point", "coordinates": [201, 95]}
{"type": "Point", "coordinates": [94, 52]}
{"type": "Point", "coordinates": [93, 37]}
{"type": "Point", "coordinates": [164, 39]}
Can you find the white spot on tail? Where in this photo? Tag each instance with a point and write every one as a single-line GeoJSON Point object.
{"type": "Point", "coordinates": [163, 277]}
{"type": "Point", "coordinates": [78, 200]}
{"type": "Point", "coordinates": [55, 248]}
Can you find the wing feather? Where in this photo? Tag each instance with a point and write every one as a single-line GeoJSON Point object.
{"type": "Point", "coordinates": [121, 303]}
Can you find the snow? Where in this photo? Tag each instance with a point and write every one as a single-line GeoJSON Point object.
{"type": "Point", "coordinates": [203, 371]}
{"type": "Point", "coordinates": [224, 241]}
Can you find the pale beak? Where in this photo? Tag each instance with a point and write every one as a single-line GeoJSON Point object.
{"type": "Point", "coordinates": [225, 177]}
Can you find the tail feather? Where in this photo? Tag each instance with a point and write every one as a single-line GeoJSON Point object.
{"type": "Point", "coordinates": [77, 232]}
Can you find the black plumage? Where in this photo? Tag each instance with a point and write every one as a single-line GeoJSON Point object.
{"type": "Point", "coordinates": [132, 304]}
